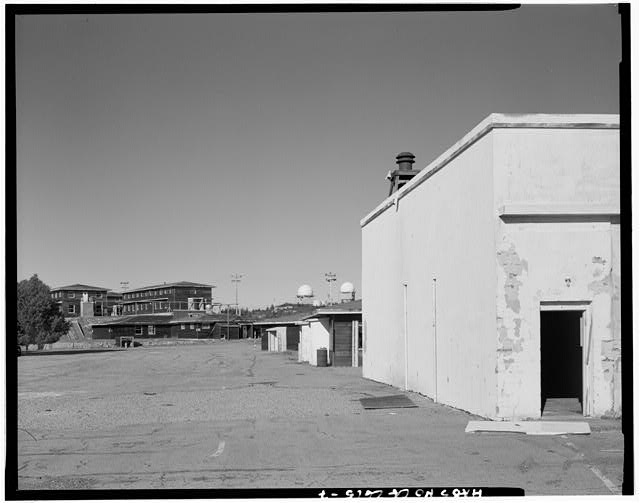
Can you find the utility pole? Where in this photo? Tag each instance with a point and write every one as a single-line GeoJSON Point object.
{"type": "Point", "coordinates": [330, 278]}
{"type": "Point", "coordinates": [237, 278]}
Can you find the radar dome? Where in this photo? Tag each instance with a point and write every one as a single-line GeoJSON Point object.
{"type": "Point", "coordinates": [305, 291]}
{"type": "Point", "coordinates": [347, 287]}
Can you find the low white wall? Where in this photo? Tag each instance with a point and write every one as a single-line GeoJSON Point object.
{"type": "Point", "coordinates": [304, 348]}
{"type": "Point", "coordinates": [320, 337]}
{"type": "Point", "coordinates": [277, 339]}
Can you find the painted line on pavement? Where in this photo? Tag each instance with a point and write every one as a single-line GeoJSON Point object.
{"type": "Point", "coordinates": [219, 450]}
{"type": "Point", "coordinates": [610, 485]}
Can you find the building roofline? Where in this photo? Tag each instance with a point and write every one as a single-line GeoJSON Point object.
{"type": "Point", "coordinates": [330, 313]}
{"type": "Point", "coordinates": [496, 121]}
{"type": "Point", "coordinates": [185, 284]}
{"type": "Point", "coordinates": [79, 287]}
{"type": "Point", "coordinates": [277, 323]}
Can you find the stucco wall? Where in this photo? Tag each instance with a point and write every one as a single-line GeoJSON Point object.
{"type": "Point", "coordinates": [277, 339]}
{"type": "Point", "coordinates": [443, 229]}
{"type": "Point", "coordinates": [304, 348]}
{"type": "Point", "coordinates": [557, 165]}
{"type": "Point", "coordinates": [319, 337]}
{"type": "Point", "coordinates": [550, 255]}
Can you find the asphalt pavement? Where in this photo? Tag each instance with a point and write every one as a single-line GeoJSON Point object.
{"type": "Point", "coordinates": [227, 415]}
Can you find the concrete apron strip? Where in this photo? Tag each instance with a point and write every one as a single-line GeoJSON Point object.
{"type": "Point", "coordinates": [530, 427]}
{"type": "Point", "coordinates": [610, 485]}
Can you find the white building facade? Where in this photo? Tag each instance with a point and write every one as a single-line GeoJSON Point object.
{"type": "Point", "coordinates": [497, 266]}
{"type": "Point", "coordinates": [315, 335]}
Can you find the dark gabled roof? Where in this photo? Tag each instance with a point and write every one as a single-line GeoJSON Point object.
{"type": "Point", "coordinates": [285, 319]}
{"type": "Point", "coordinates": [352, 307]}
{"type": "Point", "coordinates": [205, 318]}
{"type": "Point", "coordinates": [78, 287]}
{"type": "Point", "coordinates": [185, 284]}
{"type": "Point", "coordinates": [163, 319]}
{"type": "Point", "coordinates": [138, 319]}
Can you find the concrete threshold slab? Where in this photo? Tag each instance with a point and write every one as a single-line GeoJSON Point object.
{"type": "Point", "coordinates": [530, 427]}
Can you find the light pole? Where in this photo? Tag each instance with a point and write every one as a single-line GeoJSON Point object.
{"type": "Point", "coordinates": [330, 278]}
{"type": "Point", "coordinates": [236, 278]}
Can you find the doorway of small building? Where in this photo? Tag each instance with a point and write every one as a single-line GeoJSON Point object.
{"type": "Point", "coordinates": [561, 369]}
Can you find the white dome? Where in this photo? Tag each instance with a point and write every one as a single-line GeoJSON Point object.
{"type": "Point", "coordinates": [305, 291]}
{"type": "Point", "coordinates": [347, 287]}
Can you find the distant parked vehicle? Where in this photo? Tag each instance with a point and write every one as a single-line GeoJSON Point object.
{"type": "Point", "coordinates": [19, 350]}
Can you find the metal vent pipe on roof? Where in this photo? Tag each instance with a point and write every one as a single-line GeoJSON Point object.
{"type": "Point", "coordinates": [405, 160]}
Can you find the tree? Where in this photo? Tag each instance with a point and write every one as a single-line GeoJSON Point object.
{"type": "Point", "coordinates": [39, 320]}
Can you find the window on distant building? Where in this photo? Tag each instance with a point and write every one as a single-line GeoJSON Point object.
{"type": "Point", "coordinates": [182, 326]}
{"type": "Point", "coordinates": [206, 326]}
{"type": "Point", "coordinates": [72, 295]}
{"type": "Point", "coordinates": [139, 330]}
{"type": "Point", "coordinates": [192, 326]}
{"type": "Point", "coordinates": [98, 295]}
{"type": "Point", "coordinates": [152, 330]}
{"type": "Point", "coordinates": [72, 309]}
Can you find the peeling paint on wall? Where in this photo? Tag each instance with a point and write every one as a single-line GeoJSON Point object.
{"type": "Point", "coordinates": [513, 267]}
{"type": "Point", "coordinates": [517, 346]}
{"type": "Point", "coordinates": [601, 285]}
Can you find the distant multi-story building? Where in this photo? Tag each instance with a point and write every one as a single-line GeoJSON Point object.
{"type": "Point", "coordinates": [70, 299]}
{"type": "Point", "coordinates": [114, 303]}
{"type": "Point", "coordinates": [167, 297]}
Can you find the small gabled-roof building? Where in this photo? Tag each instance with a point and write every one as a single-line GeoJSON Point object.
{"type": "Point", "coordinates": [281, 333]}
{"type": "Point", "coordinates": [336, 328]}
{"type": "Point", "coordinates": [161, 325]}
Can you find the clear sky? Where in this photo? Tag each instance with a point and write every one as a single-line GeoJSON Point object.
{"type": "Point", "coordinates": [157, 148]}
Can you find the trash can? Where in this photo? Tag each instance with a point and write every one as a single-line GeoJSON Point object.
{"type": "Point", "coordinates": [322, 357]}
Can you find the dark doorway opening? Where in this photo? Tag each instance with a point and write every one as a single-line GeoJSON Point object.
{"type": "Point", "coordinates": [561, 362]}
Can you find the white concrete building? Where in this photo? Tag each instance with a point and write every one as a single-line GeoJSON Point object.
{"type": "Point", "coordinates": [491, 279]}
